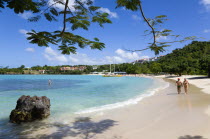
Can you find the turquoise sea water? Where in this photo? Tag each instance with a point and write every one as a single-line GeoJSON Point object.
{"type": "Point", "coordinates": [70, 94]}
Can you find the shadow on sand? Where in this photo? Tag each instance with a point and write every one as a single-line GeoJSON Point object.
{"type": "Point", "coordinates": [202, 77]}
{"type": "Point", "coordinates": [191, 137]}
{"type": "Point", "coordinates": [83, 128]}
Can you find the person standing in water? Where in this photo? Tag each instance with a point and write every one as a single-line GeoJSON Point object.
{"type": "Point", "coordinates": [179, 85]}
{"type": "Point", "coordinates": [186, 85]}
{"type": "Point", "coordinates": [49, 82]}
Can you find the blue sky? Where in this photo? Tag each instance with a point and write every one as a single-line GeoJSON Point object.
{"type": "Point", "coordinates": [186, 18]}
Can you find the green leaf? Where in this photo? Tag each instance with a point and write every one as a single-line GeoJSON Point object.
{"type": "Point", "coordinates": [34, 19]}
{"type": "Point", "coordinates": [1, 4]}
{"type": "Point", "coordinates": [94, 8]}
{"type": "Point", "coordinates": [161, 16]}
{"type": "Point", "coordinates": [49, 17]}
{"type": "Point", "coordinates": [89, 2]}
{"type": "Point", "coordinates": [96, 39]}
{"type": "Point", "coordinates": [54, 11]}
{"type": "Point", "coordinates": [101, 18]}
{"type": "Point", "coordinates": [41, 38]}
{"type": "Point", "coordinates": [67, 50]}
{"type": "Point", "coordinates": [132, 5]}
{"type": "Point", "coordinates": [20, 6]}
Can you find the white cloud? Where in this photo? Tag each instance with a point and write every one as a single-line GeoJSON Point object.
{"type": "Point", "coordinates": [78, 59]}
{"type": "Point", "coordinates": [54, 56]}
{"type": "Point", "coordinates": [73, 59]}
{"type": "Point", "coordinates": [25, 15]}
{"type": "Point", "coordinates": [142, 57]}
{"type": "Point", "coordinates": [106, 10]}
{"type": "Point", "coordinates": [50, 51]}
{"type": "Point", "coordinates": [136, 17]}
{"type": "Point", "coordinates": [23, 31]}
{"type": "Point", "coordinates": [162, 38]}
{"type": "Point", "coordinates": [114, 59]}
{"type": "Point", "coordinates": [30, 49]}
{"type": "Point", "coordinates": [127, 55]}
{"type": "Point", "coordinates": [206, 3]}
{"type": "Point", "coordinates": [206, 31]}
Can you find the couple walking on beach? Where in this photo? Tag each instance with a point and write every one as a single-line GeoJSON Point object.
{"type": "Point", "coordinates": [179, 84]}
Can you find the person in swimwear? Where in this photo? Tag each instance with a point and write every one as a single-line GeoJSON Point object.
{"type": "Point", "coordinates": [186, 85]}
{"type": "Point", "coordinates": [179, 85]}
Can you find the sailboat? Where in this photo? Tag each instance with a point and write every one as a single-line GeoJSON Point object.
{"type": "Point", "coordinates": [112, 74]}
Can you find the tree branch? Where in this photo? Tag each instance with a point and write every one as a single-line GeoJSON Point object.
{"type": "Point", "coordinates": [136, 50]}
{"type": "Point", "coordinates": [64, 17]}
{"type": "Point", "coordinates": [145, 19]}
{"type": "Point", "coordinates": [153, 30]}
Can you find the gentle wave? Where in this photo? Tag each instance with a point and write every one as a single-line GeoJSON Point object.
{"type": "Point", "coordinates": [133, 101]}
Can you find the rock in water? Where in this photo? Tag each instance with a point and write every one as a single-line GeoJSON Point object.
{"type": "Point", "coordinates": [30, 108]}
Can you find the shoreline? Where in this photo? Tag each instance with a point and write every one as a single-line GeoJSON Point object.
{"type": "Point", "coordinates": [162, 115]}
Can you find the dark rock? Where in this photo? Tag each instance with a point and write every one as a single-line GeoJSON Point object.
{"type": "Point", "coordinates": [30, 108]}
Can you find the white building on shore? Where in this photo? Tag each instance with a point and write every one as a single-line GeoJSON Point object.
{"type": "Point", "coordinates": [147, 59]}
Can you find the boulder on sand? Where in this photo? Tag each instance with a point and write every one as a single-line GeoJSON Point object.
{"type": "Point", "coordinates": [30, 108]}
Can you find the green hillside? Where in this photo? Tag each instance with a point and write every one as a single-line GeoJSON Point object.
{"type": "Point", "coordinates": [191, 59]}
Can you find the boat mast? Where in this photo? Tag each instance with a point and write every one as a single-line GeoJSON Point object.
{"type": "Point", "coordinates": [114, 68]}
{"type": "Point", "coordinates": [110, 68]}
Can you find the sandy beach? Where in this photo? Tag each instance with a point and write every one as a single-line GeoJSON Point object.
{"type": "Point", "coordinates": [165, 115]}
